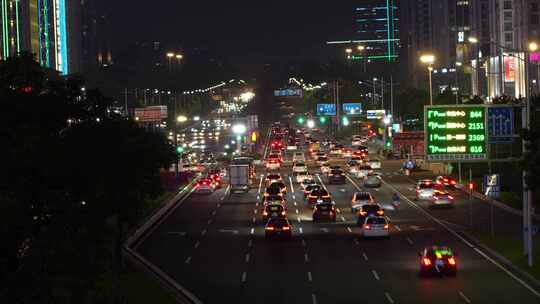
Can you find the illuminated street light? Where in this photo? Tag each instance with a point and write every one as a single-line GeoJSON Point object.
{"type": "Point", "coordinates": [473, 40]}
{"type": "Point", "coordinates": [181, 118]}
{"type": "Point", "coordinates": [196, 118]}
{"type": "Point", "coordinates": [533, 46]}
{"type": "Point", "coordinates": [170, 55]}
{"type": "Point", "coordinates": [348, 51]}
{"type": "Point", "coordinates": [429, 59]}
{"type": "Point", "coordinates": [239, 129]}
{"type": "Point", "coordinates": [311, 124]}
{"type": "Point", "coordinates": [361, 48]}
{"type": "Point", "coordinates": [179, 56]}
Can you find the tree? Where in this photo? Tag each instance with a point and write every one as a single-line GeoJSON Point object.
{"type": "Point", "coordinates": [531, 159]}
{"type": "Point", "coordinates": [410, 102]}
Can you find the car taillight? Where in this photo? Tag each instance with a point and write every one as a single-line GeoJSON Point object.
{"type": "Point", "coordinates": [283, 213]}
{"type": "Point", "coordinates": [269, 228]}
{"type": "Point", "coordinates": [453, 182]}
{"type": "Point", "coordinates": [439, 183]}
{"type": "Point", "coordinates": [451, 261]}
{"type": "Point", "coordinates": [386, 226]}
{"type": "Point", "coordinates": [450, 197]}
{"type": "Point", "coordinates": [363, 213]}
{"type": "Point", "coordinates": [286, 228]}
{"type": "Point", "coordinates": [426, 261]}
{"type": "Point", "coordinates": [367, 227]}
{"type": "Point", "coordinates": [446, 180]}
{"type": "Point", "coordinates": [265, 213]}
{"type": "Point", "coordinates": [380, 212]}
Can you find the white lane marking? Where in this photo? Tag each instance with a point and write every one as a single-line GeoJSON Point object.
{"type": "Point", "coordinates": [252, 231]}
{"type": "Point", "coordinates": [322, 183]}
{"type": "Point", "coordinates": [376, 275]}
{"type": "Point", "coordinates": [218, 205]}
{"type": "Point", "coordinates": [353, 183]}
{"type": "Point", "coordinates": [349, 229]}
{"type": "Point", "coordinates": [188, 260]}
{"type": "Point", "coordinates": [214, 213]}
{"type": "Point", "coordinates": [255, 211]}
{"type": "Point", "coordinates": [313, 298]}
{"type": "Point", "coordinates": [409, 241]}
{"type": "Point", "coordinates": [295, 203]}
{"type": "Point", "coordinates": [260, 185]}
{"type": "Point", "coordinates": [397, 227]}
{"type": "Point", "coordinates": [365, 256]}
{"type": "Point", "coordinates": [388, 218]}
{"type": "Point", "coordinates": [210, 221]}
{"type": "Point", "coordinates": [356, 242]}
{"type": "Point", "coordinates": [306, 257]}
{"type": "Point", "coordinates": [303, 243]}
{"type": "Point", "coordinates": [464, 297]}
{"type": "Point", "coordinates": [203, 232]}
{"type": "Point", "coordinates": [301, 230]}
{"type": "Point", "coordinates": [258, 197]}
{"type": "Point", "coordinates": [247, 257]}
{"type": "Point", "coordinates": [292, 187]}
{"type": "Point", "coordinates": [389, 298]}
{"type": "Point", "coordinates": [451, 231]}
{"type": "Point", "coordinates": [299, 220]}
{"type": "Point", "coordinates": [250, 243]}
{"type": "Point", "coordinates": [297, 212]}
{"type": "Point", "coordinates": [343, 218]}
{"type": "Point", "coordinates": [309, 276]}
{"type": "Point", "coordinates": [294, 197]}
{"type": "Point", "coordinates": [244, 276]}
{"type": "Point", "coordinates": [254, 220]}
{"type": "Point", "coordinates": [338, 211]}
{"type": "Point", "coordinates": [257, 204]}
{"type": "Point", "coordinates": [197, 245]}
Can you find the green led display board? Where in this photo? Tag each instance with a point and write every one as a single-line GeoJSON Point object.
{"type": "Point", "coordinates": [455, 133]}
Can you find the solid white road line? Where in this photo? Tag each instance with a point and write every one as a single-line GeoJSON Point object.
{"type": "Point", "coordinates": [451, 231]}
{"type": "Point", "coordinates": [365, 256]}
{"type": "Point", "coordinates": [389, 298]}
{"type": "Point", "coordinates": [197, 245]}
{"type": "Point", "coordinates": [349, 229]}
{"type": "Point", "coordinates": [247, 257]}
{"type": "Point", "coordinates": [313, 298]}
{"type": "Point", "coordinates": [462, 295]}
{"type": "Point", "coordinates": [292, 187]}
{"type": "Point", "coordinates": [397, 227]}
{"type": "Point", "coordinates": [309, 276]}
{"type": "Point", "coordinates": [244, 276]}
{"type": "Point", "coordinates": [252, 231]}
{"type": "Point", "coordinates": [260, 185]}
{"type": "Point", "coordinates": [250, 243]}
{"type": "Point", "coordinates": [306, 257]}
{"type": "Point", "coordinates": [409, 241]}
{"type": "Point", "coordinates": [188, 260]}
{"type": "Point", "coordinates": [376, 275]}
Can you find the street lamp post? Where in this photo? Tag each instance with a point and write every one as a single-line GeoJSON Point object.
{"type": "Point", "coordinates": [361, 49]}
{"type": "Point", "coordinates": [239, 130]}
{"type": "Point", "coordinates": [429, 59]}
{"type": "Point", "coordinates": [170, 56]}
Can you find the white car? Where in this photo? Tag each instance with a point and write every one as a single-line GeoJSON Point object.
{"type": "Point", "coordinates": [372, 181]}
{"type": "Point", "coordinates": [301, 176]}
{"type": "Point", "coordinates": [425, 189]}
{"type": "Point", "coordinates": [364, 171]}
{"type": "Point", "coordinates": [356, 142]}
{"type": "Point", "coordinates": [306, 182]}
{"type": "Point", "coordinates": [299, 167]}
{"type": "Point", "coordinates": [376, 226]}
{"type": "Point", "coordinates": [273, 165]}
{"type": "Point", "coordinates": [299, 157]}
{"type": "Point", "coordinates": [374, 164]}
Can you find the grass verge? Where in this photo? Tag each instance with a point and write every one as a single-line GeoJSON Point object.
{"type": "Point", "coordinates": [512, 250]}
{"type": "Point", "coordinates": [137, 288]}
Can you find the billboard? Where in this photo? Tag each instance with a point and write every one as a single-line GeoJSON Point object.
{"type": "Point", "coordinates": [375, 114]}
{"type": "Point", "coordinates": [288, 93]}
{"type": "Point", "coordinates": [327, 109]}
{"type": "Point", "coordinates": [352, 108]}
{"type": "Point", "coordinates": [455, 133]}
{"type": "Point", "coordinates": [151, 114]}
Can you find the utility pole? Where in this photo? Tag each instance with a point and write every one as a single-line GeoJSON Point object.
{"type": "Point", "coordinates": [382, 93]}
{"type": "Point", "coordinates": [392, 95]}
{"type": "Point", "coordinates": [175, 133]}
{"type": "Point", "coordinates": [126, 102]}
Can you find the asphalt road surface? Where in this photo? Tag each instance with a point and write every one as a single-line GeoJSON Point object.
{"type": "Point", "coordinates": [214, 246]}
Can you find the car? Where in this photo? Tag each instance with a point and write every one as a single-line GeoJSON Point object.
{"type": "Point", "coordinates": [320, 154]}
{"type": "Point", "coordinates": [216, 178]}
{"type": "Point", "coordinates": [375, 164]}
{"type": "Point", "coordinates": [356, 142]}
{"type": "Point", "coordinates": [273, 177]}
{"type": "Point", "coordinates": [273, 210]}
{"type": "Point", "coordinates": [274, 199]}
{"type": "Point", "coordinates": [363, 149]}
{"type": "Point", "coordinates": [299, 167]}
{"type": "Point", "coordinates": [437, 260]}
{"type": "Point", "coordinates": [446, 181]}
{"type": "Point", "coordinates": [301, 176]}
{"type": "Point", "coordinates": [278, 227]}
{"type": "Point", "coordinates": [276, 144]}
{"type": "Point", "coordinates": [310, 188]}
{"type": "Point", "coordinates": [336, 176]}
{"type": "Point", "coordinates": [442, 199]}
{"type": "Point", "coordinates": [363, 171]}
{"type": "Point", "coordinates": [325, 168]}
{"type": "Point", "coordinates": [424, 189]}
{"type": "Point", "coordinates": [360, 154]}
{"type": "Point", "coordinates": [205, 185]}
{"type": "Point", "coordinates": [281, 185]}
{"type": "Point", "coordinates": [359, 199]}
{"type": "Point", "coordinates": [346, 152]}
{"type": "Point", "coordinates": [273, 164]}
{"type": "Point", "coordinates": [372, 181]}
{"type": "Point", "coordinates": [321, 160]}
{"type": "Point", "coordinates": [324, 211]}
{"type": "Point", "coordinates": [335, 151]}
{"type": "Point", "coordinates": [299, 157]}
{"type": "Point", "coordinates": [375, 226]}
{"type": "Point", "coordinates": [306, 182]}
{"type": "Point", "coordinates": [273, 191]}
{"type": "Point", "coordinates": [368, 210]}
{"type": "Point", "coordinates": [318, 196]}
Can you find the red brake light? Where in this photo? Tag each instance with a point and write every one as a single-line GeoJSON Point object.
{"type": "Point", "coordinates": [451, 261]}
{"type": "Point", "coordinates": [386, 226]}
{"type": "Point", "coordinates": [426, 261]}
{"type": "Point", "coordinates": [453, 182]}
{"type": "Point", "coordinates": [380, 212]}
{"type": "Point", "coordinates": [269, 228]}
{"type": "Point", "coordinates": [367, 227]}
{"type": "Point", "coordinates": [450, 197]}
{"type": "Point", "coordinates": [286, 228]}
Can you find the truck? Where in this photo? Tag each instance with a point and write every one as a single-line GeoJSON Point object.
{"type": "Point", "coordinates": [239, 176]}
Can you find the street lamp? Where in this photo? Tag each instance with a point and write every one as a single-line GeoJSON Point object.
{"type": "Point", "coordinates": [239, 130]}
{"type": "Point", "coordinates": [311, 124]}
{"type": "Point", "coordinates": [181, 119]}
{"type": "Point", "coordinates": [170, 56]}
{"type": "Point", "coordinates": [429, 59]}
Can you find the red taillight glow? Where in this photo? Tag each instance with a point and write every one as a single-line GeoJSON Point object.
{"type": "Point", "coordinates": [269, 228]}
{"type": "Point", "coordinates": [450, 197]}
{"type": "Point", "coordinates": [451, 261]}
{"type": "Point", "coordinates": [426, 261]}
{"type": "Point", "coordinates": [286, 228]}
{"type": "Point", "coordinates": [453, 182]}
{"type": "Point", "coordinates": [367, 227]}
{"type": "Point", "coordinates": [386, 226]}
{"type": "Point", "coordinates": [380, 212]}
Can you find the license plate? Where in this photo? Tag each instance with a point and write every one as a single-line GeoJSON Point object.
{"type": "Point", "coordinates": [439, 263]}
{"type": "Point", "coordinates": [319, 201]}
{"type": "Point", "coordinates": [274, 214]}
{"type": "Point", "coordinates": [324, 213]}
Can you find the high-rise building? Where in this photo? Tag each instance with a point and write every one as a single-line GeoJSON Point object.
{"type": "Point", "coordinates": [44, 27]}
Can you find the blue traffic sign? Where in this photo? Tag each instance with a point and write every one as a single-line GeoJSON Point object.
{"type": "Point", "coordinates": [352, 108]}
{"type": "Point", "coordinates": [327, 109]}
{"type": "Point", "coordinates": [500, 124]}
{"type": "Point", "coordinates": [492, 185]}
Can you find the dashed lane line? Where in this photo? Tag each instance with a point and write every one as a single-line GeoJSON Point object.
{"type": "Point", "coordinates": [299, 220]}
{"type": "Point", "coordinates": [244, 277]}
{"type": "Point", "coordinates": [209, 221]}
{"type": "Point", "coordinates": [247, 258]}
{"type": "Point", "coordinates": [252, 231]}
{"type": "Point", "coordinates": [349, 229]}
{"type": "Point", "coordinates": [376, 275]}
{"type": "Point", "coordinates": [397, 227]}
{"type": "Point", "coordinates": [365, 256]}
{"type": "Point", "coordinates": [304, 243]}
{"type": "Point", "coordinates": [389, 298]}
{"type": "Point", "coordinates": [254, 220]}
{"type": "Point", "coordinates": [309, 276]}
{"type": "Point", "coordinates": [188, 260]}
{"type": "Point", "coordinates": [197, 245]}
{"type": "Point", "coordinates": [343, 219]}
{"type": "Point", "coordinates": [203, 232]}
{"type": "Point", "coordinates": [464, 297]}
{"type": "Point", "coordinates": [301, 230]}
{"type": "Point", "coordinates": [313, 298]}
{"type": "Point", "coordinates": [409, 241]}
{"type": "Point", "coordinates": [306, 258]}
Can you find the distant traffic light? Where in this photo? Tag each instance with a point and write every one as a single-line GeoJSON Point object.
{"type": "Point", "coordinates": [471, 186]}
{"type": "Point", "coordinates": [179, 149]}
{"type": "Point", "coordinates": [301, 120]}
{"type": "Point", "coordinates": [345, 121]}
{"type": "Point", "coordinates": [322, 119]}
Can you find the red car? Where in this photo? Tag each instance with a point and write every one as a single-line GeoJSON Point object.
{"type": "Point", "coordinates": [216, 177]}
{"type": "Point", "coordinates": [446, 181]}
{"type": "Point", "coordinates": [437, 260]}
{"type": "Point", "coordinates": [278, 227]}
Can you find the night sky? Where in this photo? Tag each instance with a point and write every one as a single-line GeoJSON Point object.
{"type": "Point", "coordinates": [234, 28]}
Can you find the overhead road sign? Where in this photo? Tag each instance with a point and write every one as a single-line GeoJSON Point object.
{"type": "Point", "coordinates": [288, 93]}
{"type": "Point", "coordinates": [455, 133]}
{"type": "Point", "coordinates": [326, 109]}
{"type": "Point", "coordinates": [376, 114]}
{"type": "Point", "coordinates": [352, 108]}
{"type": "Point", "coordinates": [500, 123]}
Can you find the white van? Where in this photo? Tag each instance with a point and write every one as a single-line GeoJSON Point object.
{"type": "Point", "coordinates": [299, 157]}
